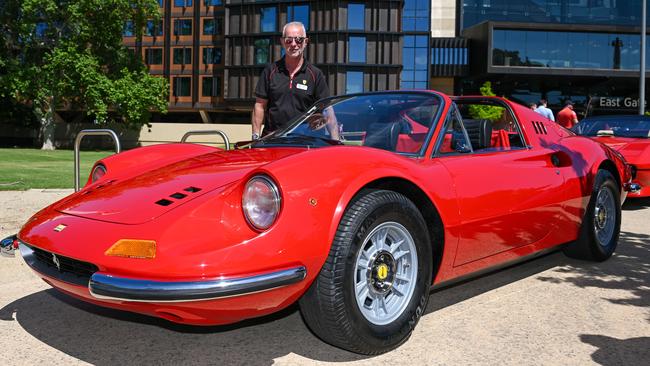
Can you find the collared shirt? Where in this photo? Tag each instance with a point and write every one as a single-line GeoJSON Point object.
{"type": "Point", "coordinates": [289, 97]}
{"type": "Point", "coordinates": [567, 117]}
{"type": "Point", "coordinates": [545, 112]}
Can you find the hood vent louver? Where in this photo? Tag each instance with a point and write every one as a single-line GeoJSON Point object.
{"type": "Point", "coordinates": [177, 196]}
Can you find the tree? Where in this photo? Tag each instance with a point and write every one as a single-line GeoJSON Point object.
{"type": "Point", "coordinates": [69, 53]}
{"type": "Point", "coordinates": [491, 113]}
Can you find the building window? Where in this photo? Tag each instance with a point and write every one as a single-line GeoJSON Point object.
{"type": "Point", "coordinates": [212, 2]}
{"type": "Point", "coordinates": [416, 16]}
{"type": "Point", "coordinates": [182, 56]}
{"type": "Point", "coordinates": [357, 49]}
{"type": "Point", "coordinates": [183, 27]}
{"type": "Point", "coordinates": [415, 60]}
{"type": "Point", "coordinates": [212, 27]}
{"type": "Point", "coordinates": [182, 3]}
{"type": "Point", "coordinates": [160, 3]}
{"type": "Point", "coordinates": [262, 51]}
{"type": "Point", "coordinates": [127, 32]}
{"type": "Point", "coordinates": [153, 29]}
{"type": "Point", "coordinates": [298, 13]}
{"type": "Point", "coordinates": [356, 16]}
{"type": "Point", "coordinates": [212, 55]}
{"type": "Point", "coordinates": [353, 82]}
{"type": "Point", "coordinates": [153, 56]}
{"type": "Point", "coordinates": [211, 86]}
{"type": "Point", "coordinates": [182, 86]}
{"type": "Point", "coordinates": [268, 19]}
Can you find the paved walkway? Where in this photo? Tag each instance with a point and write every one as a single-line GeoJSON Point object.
{"type": "Point", "coordinates": [549, 311]}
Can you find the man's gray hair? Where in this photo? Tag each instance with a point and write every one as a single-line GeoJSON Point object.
{"type": "Point", "coordinates": [294, 24]}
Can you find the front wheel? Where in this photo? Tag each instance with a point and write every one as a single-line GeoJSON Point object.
{"type": "Point", "coordinates": [374, 286]}
{"type": "Point", "coordinates": [602, 222]}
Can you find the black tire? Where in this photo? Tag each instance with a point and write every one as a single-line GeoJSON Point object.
{"type": "Point", "coordinates": [331, 307]}
{"type": "Point", "coordinates": [601, 224]}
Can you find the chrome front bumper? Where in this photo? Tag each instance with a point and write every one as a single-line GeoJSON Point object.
{"type": "Point", "coordinates": [105, 286]}
{"type": "Point", "coordinates": [110, 287]}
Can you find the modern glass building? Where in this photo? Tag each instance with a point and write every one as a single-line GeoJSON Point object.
{"type": "Point", "coordinates": [583, 50]}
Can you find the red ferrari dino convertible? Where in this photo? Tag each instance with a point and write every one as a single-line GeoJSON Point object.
{"type": "Point", "coordinates": [355, 210]}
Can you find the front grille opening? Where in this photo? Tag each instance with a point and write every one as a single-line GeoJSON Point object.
{"type": "Point", "coordinates": [65, 264]}
{"type": "Point", "coordinates": [192, 189]}
{"type": "Point", "coordinates": [178, 195]}
{"type": "Point", "coordinates": [164, 202]}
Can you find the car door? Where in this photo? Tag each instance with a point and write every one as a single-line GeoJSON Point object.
{"type": "Point", "coordinates": [507, 197]}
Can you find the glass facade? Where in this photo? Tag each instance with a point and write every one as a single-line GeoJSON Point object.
{"type": "Point", "coordinates": [603, 12]}
{"type": "Point", "coordinates": [298, 13]}
{"type": "Point", "coordinates": [357, 49]}
{"type": "Point", "coordinates": [268, 19]}
{"type": "Point", "coordinates": [575, 50]}
{"type": "Point", "coordinates": [416, 15]}
{"type": "Point", "coordinates": [415, 51]}
{"type": "Point", "coordinates": [415, 73]}
{"type": "Point", "coordinates": [353, 82]}
{"type": "Point", "coordinates": [356, 16]}
{"type": "Point", "coordinates": [449, 56]}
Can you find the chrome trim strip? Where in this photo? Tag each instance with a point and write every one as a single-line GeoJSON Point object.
{"type": "Point", "coordinates": [109, 287]}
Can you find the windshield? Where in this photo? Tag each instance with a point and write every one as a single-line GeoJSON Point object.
{"type": "Point", "coordinates": [624, 126]}
{"type": "Point", "coordinates": [397, 121]}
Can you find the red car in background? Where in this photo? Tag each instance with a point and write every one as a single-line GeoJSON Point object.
{"type": "Point", "coordinates": [627, 134]}
{"type": "Point", "coordinates": [355, 211]}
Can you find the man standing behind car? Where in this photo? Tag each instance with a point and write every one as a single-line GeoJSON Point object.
{"type": "Point", "coordinates": [288, 86]}
{"type": "Point", "coordinates": [544, 110]}
{"type": "Point", "coordinates": [567, 117]}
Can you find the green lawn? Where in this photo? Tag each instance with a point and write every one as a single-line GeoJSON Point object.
{"type": "Point", "coordinates": [22, 169]}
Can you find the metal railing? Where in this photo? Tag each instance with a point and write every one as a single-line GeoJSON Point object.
{"type": "Point", "coordinates": [77, 143]}
{"type": "Point", "coordinates": [208, 132]}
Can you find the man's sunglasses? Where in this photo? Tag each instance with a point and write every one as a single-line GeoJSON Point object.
{"type": "Point", "coordinates": [289, 40]}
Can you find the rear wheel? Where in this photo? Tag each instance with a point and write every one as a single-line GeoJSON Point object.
{"type": "Point", "coordinates": [602, 222]}
{"type": "Point", "coordinates": [375, 283]}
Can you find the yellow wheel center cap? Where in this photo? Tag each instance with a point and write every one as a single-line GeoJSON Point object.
{"type": "Point", "coordinates": [382, 272]}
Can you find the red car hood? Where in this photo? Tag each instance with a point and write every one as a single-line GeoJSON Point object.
{"type": "Point", "coordinates": [635, 150]}
{"type": "Point", "coordinates": [150, 194]}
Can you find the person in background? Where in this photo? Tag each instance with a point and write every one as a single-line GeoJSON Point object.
{"type": "Point", "coordinates": [532, 106]}
{"type": "Point", "coordinates": [544, 110]}
{"type": "Point", "coordinates": [289, 86]}
{"type": "Point", "coordinates": [567, 117]}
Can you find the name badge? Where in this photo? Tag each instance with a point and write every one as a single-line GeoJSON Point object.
{"type": "Point", "coordinates": [301, 86]}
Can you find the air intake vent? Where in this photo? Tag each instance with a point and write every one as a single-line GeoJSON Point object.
{"type": "Point", "coordinates": [177, 196]}
{"type": "Point", "coordinates": [540, 128]}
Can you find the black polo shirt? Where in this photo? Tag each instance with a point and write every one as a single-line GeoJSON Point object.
{"type": "Point", "coordinates": [288, 97]}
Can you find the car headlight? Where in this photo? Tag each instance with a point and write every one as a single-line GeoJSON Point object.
{"type": "Point", "coordinates": [261, 202]}
{"type": "Point", "coordinates": [98, 171]}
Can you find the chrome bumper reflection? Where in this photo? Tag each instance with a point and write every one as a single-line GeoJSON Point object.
{"type": "Point", "coordinates": [105, 286]}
